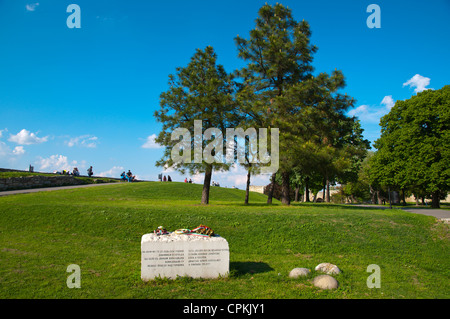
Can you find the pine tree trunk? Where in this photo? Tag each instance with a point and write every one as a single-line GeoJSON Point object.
{"type": "Point", "coordinates": [285, 198]}
{"type": "Point", "coordinates": [324, 190]}
{"type": "Point", "coordinates": [307, 190]}
{"type": "Point", "coordinates": [247, 189]}
{"type": "Point", "coordinates": [271, 188]}
{"type": "Point", "coordinates": [435, 200]}
{"type": "Point", "coordinates": [206, 185]}
{"type": "Point", "coordinates": [328, 192]}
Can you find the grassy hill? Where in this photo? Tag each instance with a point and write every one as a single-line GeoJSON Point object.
{"type": "Point", "coordinates": [86, 179]}
{"type": "Point", "coordinates": [100, 230]}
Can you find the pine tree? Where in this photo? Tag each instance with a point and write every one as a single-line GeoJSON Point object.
{"type": "Point", "coordinates": [279, 89]}
{"type": "Point", "coordinates": [204, 91]}
{"type": "Point", "coordinates": [279, 54]}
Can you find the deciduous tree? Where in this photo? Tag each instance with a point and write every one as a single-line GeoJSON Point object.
{"type": "Point", "coordinates": [413, 151]}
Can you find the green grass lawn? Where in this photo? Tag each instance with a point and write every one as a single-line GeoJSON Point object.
{"type": "Point", "coordinates": [86, 179]}
{"type": "Point", "coordinates": [21, 174]}
{"type": "Point", "coordinates": [100, 230]}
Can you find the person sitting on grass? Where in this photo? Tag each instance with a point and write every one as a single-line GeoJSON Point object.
{"type": "Point", "coordinates": [129, 176]}
{"type": "Point", "coordinates": [123, 176]}
{"type": "Point", "coordinates": [76, 172]}
{"type": "Point", "coordinates": [90, 172]}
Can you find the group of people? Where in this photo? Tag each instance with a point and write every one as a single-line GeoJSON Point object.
{"type": "Point", "coordinates": [128, 176]}
{"type": "Point", "coordinates": [162, 178]}
{"type": "Point", "coordinates": [75, 172]}
{"type": "Point", "coordinates": [215, 184]}
{"type": "Point", "coordinates": [186, 180]}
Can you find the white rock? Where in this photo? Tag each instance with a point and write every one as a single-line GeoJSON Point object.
{"type": "Point", "coordinates": [328, 268]}
{"type": "Point", "coordinates": [325, 282]}
{"type": "Point", "coordinates": [172, 255]}
{"type": "Point", "coordinates": [297, 272]}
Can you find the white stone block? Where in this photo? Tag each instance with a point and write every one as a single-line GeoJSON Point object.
{"type": "Point", "coordinates": [172, 255]}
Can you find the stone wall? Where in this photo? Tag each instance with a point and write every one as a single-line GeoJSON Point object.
{"type": "Point", "coordinates": [26, 182]}
{"type": "Point", "coordinates": [257, 189]}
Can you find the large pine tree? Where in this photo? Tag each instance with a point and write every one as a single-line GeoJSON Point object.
{"type": "Point", "coordinates": [278, 88]}
{"type": "Point", "coordinates": [204, 91]}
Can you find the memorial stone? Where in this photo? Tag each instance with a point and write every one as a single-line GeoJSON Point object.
{"type": "Point", "coordinates": [172, 255]}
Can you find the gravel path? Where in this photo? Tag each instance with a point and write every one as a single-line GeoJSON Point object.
{"type": "Point", "coordinates": [438, 213]}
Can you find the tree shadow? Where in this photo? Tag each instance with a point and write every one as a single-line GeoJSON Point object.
{"type": "Point", "coordinates": [339, 206]}
{"type": "Point", "coordinates": [241, 268]}
{"type": "Point", "coordinates": [240, 204]}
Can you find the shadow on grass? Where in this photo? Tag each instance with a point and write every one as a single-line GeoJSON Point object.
{"type": "Point", "coordinates": [240, 204]}
{"type": "Point", "coordinates": [299, 205]}
{"type": "Point", "coordinates": [339, 206]}
{"type": "Point", "coordinates": [277, 204]}
{"type": "Point", "coordinates": [241, 268]}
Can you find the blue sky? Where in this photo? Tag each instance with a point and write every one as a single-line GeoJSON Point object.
{"type": "Point", "coordinates": [81, 97]}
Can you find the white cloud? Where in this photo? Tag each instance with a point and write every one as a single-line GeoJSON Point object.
{"type": "Point", "coordinates": [56, 163]}
{"type": "Point", "coordinates": [388, 101]}
{"type": "Point", "coordinates": [359, 110]}
{"type": "Point", "coordinates": [88, 141]}
{"type": "Point", "coordinates": [31, 6]}
{"type": "Point", "coordinates": [25, 137]}
{"type": "Point", "coordinates": [372, 114]}
{"type": "Point", "coordinates": [418, 82]}
{"type": "Point", "coordinates": [113, 172]}
{"type": "Point", "coordinates": [198, 178]}
{"type": "Point", "coordinates": [150, 142]}
{"type": "Point", "coordinates": [5, 151]}
{"type": "Point", "coordinates": [236, 176]}
{"type": "Point", "coordinates": [367, 113]}
{"type": "Point", "coordinates": [167, 169]}
{"type": "Point", "coordinates": [18, 150]}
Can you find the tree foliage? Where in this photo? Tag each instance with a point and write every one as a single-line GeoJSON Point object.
{"type": "Point", "coordinates": [319, 144]}
{"type": "Point", "coordinates": [278, 89]}
{"type": "Point", "coordinates": [204, 91]}
{"type": "Point", "coordinates": [413, 148]}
